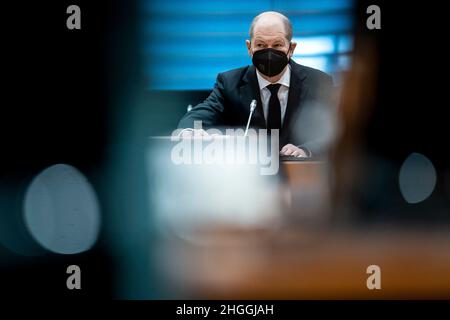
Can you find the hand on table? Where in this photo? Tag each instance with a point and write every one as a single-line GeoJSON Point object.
{"type": "Point", "coordinates": [291, 150]}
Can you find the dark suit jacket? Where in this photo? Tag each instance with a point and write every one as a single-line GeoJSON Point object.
{"type": "Point", "coordinates": [228, 105]}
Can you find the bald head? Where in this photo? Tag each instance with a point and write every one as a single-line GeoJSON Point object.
{"type": "Point", "coordinates": [271, 22]}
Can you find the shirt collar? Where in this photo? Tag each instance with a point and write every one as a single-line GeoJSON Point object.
{"type": "Point", "coordinates": [285, 79]}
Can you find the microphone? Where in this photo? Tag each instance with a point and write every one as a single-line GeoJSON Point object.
{"type": "Point", "coordinates": [252, 108]}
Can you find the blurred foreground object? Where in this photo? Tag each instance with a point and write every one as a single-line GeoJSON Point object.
{"type": "Point", "coordinates": [309, 264]}
{"type": "Point", "coordinates": [384, 200]}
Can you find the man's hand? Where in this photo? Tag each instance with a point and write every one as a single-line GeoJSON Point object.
{"type": "Point", "coordinates": [291, 150]}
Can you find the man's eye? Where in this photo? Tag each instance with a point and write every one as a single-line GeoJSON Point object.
{"type": "Point", "coordinates": [260, 45]}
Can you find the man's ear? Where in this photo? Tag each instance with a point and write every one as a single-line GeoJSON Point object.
{"type": "Point", "coordinates": [292, 49]}
{"type": "Point", "coordinates": [249, 47]}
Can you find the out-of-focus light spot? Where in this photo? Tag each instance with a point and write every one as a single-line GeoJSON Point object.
{"type": "Point", "coordinates": [320, 63]}
{"type": "Point", "coordinates": [61, 210]}
{"type": "Point", "coordinates": [314, 45]}
{"type": "Point", "coordinates": [417, 178]}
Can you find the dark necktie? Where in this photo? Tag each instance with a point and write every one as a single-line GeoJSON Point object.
{"type": "Point", "coordinates": [274, 114]}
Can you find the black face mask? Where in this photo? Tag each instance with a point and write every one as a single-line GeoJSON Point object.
{"type": "Point", "coordinates": [270, 62]}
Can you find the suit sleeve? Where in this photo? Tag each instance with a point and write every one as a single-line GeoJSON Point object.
{"type": "Point", "coordinates": [210, 111]}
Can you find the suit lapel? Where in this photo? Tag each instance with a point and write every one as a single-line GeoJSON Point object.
{"type": "Point", "coordinates": [249, 91]}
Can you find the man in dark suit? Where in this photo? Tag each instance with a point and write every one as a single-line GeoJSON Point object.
{"type": "Point", "coordinates": [281, 87]}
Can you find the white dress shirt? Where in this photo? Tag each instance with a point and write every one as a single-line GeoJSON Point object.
{"type": "Point", "coordinates": [283, 92]}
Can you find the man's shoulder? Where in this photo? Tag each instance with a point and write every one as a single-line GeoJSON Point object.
{"type": "Point", "coordinates": [233, 78]}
